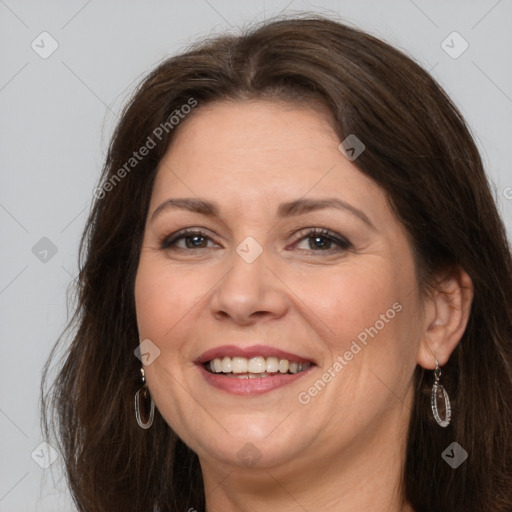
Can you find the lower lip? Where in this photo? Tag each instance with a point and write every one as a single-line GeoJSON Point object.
{"type": "Point", "coordinates": [246, 387]}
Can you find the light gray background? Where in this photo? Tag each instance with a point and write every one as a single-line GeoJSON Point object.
{"type": "Point", "coordinates": [56, 116]}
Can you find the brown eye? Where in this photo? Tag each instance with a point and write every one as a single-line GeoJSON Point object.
{"type": "Point", "coordinates": [322, 240]}
{"type": "Point", "coordinates": [194, 239]}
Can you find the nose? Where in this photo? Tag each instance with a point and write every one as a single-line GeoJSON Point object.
{"type": "Point", "coordinates": [248, 292]}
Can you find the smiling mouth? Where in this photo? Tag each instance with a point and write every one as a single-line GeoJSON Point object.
{"type": "Point", "coordinates": [254, 367]}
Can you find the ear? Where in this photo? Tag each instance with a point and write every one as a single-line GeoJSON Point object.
{"type": "Point", "coordinates": [447, 312]}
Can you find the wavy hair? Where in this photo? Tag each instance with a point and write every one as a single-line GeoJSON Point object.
{"type": "Point", "coordinates": [418, 150]}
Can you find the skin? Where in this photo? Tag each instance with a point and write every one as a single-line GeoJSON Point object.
{"type": "Point", "coordinates": [344, 450]}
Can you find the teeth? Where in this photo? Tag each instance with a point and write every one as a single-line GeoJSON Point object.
{"type": "Point", "coordinates": [273, 364]}
{"type": "Point", "coordinates": [246, 375]}
{"type": "Point", "coordinates": [283, 365]}
{"type": "Point", "coordinates": [257, 375]}
{"type": "Point", "coordinates": [255, 367]}
{"type": "Point", "coordinates": [217, 365]}
{"type": "Point", "coordinates": [238, 364]}
{"type": "Point", "coordinates": [226, 364]}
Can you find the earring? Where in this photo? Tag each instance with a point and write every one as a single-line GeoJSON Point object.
{"type": "Point", "coordinates": [144, 392]}
{"type": "Point", "coordinates": [438, 391]}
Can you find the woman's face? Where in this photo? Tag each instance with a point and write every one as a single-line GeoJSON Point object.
{"type": "Point", "coordinates": [267, 277]}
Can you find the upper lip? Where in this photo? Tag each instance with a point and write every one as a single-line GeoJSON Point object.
{"type": "Point", "coordinates": [248, 352]}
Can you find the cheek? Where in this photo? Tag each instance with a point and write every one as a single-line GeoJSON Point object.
{"type": "Point", "coordinates": [379, 318]}
{"type": "Point", "coordinates": [353, 299]}
{"type": "Point", "coordinates": [162, 298]}
{"type": "Point", "coordinates": [151, 300]}
{"type": "Point", "coordinates": [370, 318]}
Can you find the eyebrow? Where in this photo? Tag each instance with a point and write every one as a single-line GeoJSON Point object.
{"type": "Point", "coordinates": [289, 209]}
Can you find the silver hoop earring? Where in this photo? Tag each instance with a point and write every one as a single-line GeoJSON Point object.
{"type": "Point", "coordinates": [438, 391]}
{"type": "Point", "coordinates": [141, 410]}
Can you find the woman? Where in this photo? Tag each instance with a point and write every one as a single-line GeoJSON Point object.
{"type": "Point", "coordinates": [295, 293]}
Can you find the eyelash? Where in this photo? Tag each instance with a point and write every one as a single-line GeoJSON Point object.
{"type": "Point", "coordinates": [168, 242]}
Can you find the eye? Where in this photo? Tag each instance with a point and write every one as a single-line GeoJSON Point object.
{"type": "Point", "coordinates": [322, 240]}
{"type": "Point", "coordinates": [193, 239]}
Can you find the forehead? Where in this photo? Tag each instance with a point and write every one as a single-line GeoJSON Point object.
{"type": "Point", "coordinates": [262, 146]}
{"type": "Point", "coordinates": [256, 131]}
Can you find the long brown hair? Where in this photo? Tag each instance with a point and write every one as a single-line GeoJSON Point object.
{"type": "Point", "coordinates": [418, 149]}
